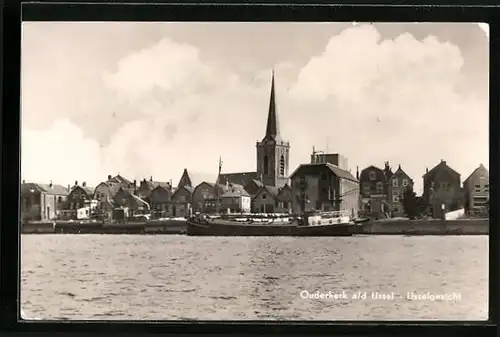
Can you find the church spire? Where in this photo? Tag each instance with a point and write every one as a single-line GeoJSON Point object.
{"type": "Point", "coordinates": [272, 129]}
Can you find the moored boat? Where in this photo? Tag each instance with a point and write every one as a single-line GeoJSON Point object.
{"type": "Point", "coordinates": [319, 224]}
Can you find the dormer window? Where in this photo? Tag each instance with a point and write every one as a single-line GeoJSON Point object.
{"type": "Point", "coordinates": [394, 183]}
{"type": "Point", "coordinates": [372, 176]}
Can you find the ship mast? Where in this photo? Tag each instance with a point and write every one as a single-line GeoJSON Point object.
{"type": "Point", "coordinates": [217, 189]}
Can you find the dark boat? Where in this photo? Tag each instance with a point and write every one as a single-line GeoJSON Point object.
{"type": "Point", "coordinates": [206, 226]}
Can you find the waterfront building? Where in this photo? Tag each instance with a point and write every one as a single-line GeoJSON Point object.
{"type": "Point", "coordinates": [399, 182]}
{"type": "Point", "coordinates": [442, 190]}
{"type": "Point", "coordinates": [42, 201]}
{"type": "Point", "coordinates": [374, 190]}
{"type": "Point", "coordinates": [477, 192]}
{"type": "Point", "coordinates": [79, 197]}
{"type": "Point", "coordinates": [324, 186]}
{"type": "Point", "coordinates": [271, 199]}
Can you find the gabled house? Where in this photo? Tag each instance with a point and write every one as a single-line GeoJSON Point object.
{"type": "Point", "coordinates": [253, 186]}
{"type": "Point", "coordinates": [147, 186]}
{"type": "Point", "coordinates": [105, 192]}
{"type": "Point", "coordinates": [399, 182]}
{"type": "Point", "coordinates": [325, 187]}
{"type": "Point", "coordinates": [477, 192]}
{"type": "Point", "coordinates": [234, 199]}
{"type": "Point", "coordinates": [204, 197]}
{"type": "Point", "coordinates": [442, 190]}
{"type": "Point", "coordinates": [374, 191]}
{"type": "Point", "coordinates": [181, 202]}
{"type": "Point", "coordinates": [160, 201]}
{"type": "Point", "coordinates": [127, 205]}
{"type": "Point", "coordinates": [42, 201]}
{"type": "Point", "coordinates": [266, 200]}
{"type": "Point", "coordinates": [80, 196]}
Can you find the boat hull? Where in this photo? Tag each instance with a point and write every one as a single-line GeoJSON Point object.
{"type": "Point", "coordinates": [216, 228]}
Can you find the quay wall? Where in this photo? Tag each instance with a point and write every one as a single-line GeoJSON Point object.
{"type": "Point", "coordinates": [427, 227]}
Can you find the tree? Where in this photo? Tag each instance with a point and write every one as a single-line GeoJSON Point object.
{"type": "Point", "coordinates": [410, 203]}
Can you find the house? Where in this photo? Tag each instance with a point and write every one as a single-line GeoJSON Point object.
{"type": "Point", "coordinates": [270, 199]}
{"type": "Point", "coordinates": [204, 197]}
{"type": "Point", "coordinates": [79, 197]}
{"type": "Point", "coordinates": [442, 190]}
{"type": "Point", "coordinates": [325, 187]}
{"type": "Point", "coordinates": [398, 184]}
{"type": "Point", "coordinates": [105, 192]}
{"type": "Point", "coordinates": [127, 205]}
{"type": "Point", "coordinates": [160, 200]}
{"type": "Point", "coordinates": [266, 200]}
{"type": "Point", "coordinates": [234, 199]}
{"type": "Point", "coordinates": [477, 192]}
{"type": "Point", "coordinates": [180, 205]}
{"type": "Point", "coordinates": [374, 191]}
{"type": "Point", "coordinates": [42, 201]}
{"type": "Point", "coordinates": [147, 186]}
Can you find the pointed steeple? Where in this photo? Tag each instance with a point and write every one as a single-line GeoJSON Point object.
{"type": "Point", "coordinates": [272, 129]}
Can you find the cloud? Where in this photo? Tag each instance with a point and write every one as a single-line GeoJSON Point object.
{"type": "Point", "coordinates": [395, 100]}
{"type": "Point", "coordinates": [60, 153]}
{"type": "Point", "coordinates": [164, 108]}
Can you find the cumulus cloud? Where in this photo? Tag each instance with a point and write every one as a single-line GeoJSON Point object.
{"type": "Point", "coordinates": [370, 98]}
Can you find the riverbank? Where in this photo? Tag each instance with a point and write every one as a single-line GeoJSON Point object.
{"type": "Point", "coordinates": [167, 226]}
{"type": "Point", "coordinates": [178, 226]}
{"type": "Point", "coordinates": [426, 227]}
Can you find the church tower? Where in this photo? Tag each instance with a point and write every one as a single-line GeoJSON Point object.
{"type": "Point", "coordinates": [273, 152]}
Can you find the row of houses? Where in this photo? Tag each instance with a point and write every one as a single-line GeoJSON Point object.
{"type": "Point", "coordinates": [383, 191]}
{"type": "Point", "coordinates": [323, 184]}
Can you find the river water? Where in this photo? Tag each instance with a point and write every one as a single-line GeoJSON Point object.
{"type": "Point", "coordinates": [175, 277]}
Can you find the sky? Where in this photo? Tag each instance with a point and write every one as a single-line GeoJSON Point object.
{"type": "Point", "coordinates": [150, 99]}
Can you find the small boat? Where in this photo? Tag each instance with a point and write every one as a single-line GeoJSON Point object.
{"type": "Point", "coordinates": [316, 224]}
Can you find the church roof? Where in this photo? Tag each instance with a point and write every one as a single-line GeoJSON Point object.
{"type": "Point", "coordinates": [272, 127]}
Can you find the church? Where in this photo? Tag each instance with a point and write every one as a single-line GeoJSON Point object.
{"type": "Point", "coordinates": [269, 184]}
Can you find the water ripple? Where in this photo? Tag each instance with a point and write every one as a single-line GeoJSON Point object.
{"type": "Point", "coordinates": [70, 277]}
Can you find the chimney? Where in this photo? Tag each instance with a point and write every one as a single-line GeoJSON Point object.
{"type": "Point", "coordinates": [109, 176]}
{"type": "Point", "coordinates": [357, 172]}
{"type": "Point", "coordinates": [387, 166]}
{"type": "Point", "coordinates": [69, 188]}
{"type": "Point", "coordinates": [426, 170]}
{"type": "Point", "coordinates": [84, 184]}
{"type": "Point", "coordinates": [151, 178]}
{"type": "Point", "coordinates": [50, 184]}
{"type": "Point", "coordinates": [135, 182]}
{"type": "Point", "coordinates": [76, 182]}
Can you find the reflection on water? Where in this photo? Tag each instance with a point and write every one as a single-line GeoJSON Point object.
{"type": "Point", "coordinates": [180, 277]}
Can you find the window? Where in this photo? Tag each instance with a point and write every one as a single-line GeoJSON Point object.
{"type": "Point", "coordinates": [277, 203]}
{"type": "Point", "coordinates": [285, 204]}
{"type": "Point", "coordinates": [405, 182]}
{"type": "Point", "coordinates": [372, 175]}
{"type": "Point", "coordinates": [395, 198]}
{"type": "Point", "coordinates": [395, 192]}
{"type": "Point", "coordinates": [266, 164]}
{"type": "Point", "coordinates": [366, 189]}
{"type": "Point", "coordinates": [486, 187]}
{"type": "Point", "coordinates": [323, 176]}
{"type": "Point", "coordinates": [394, 183]}
{"type": "Point", "coordinates": [264, 196]}
{"type": "Point", "coordinates": [380, 187]}
{"type": "Point", "coordinates": [477, 188]}
{"type": "Point", "coordinates": [282, 165]}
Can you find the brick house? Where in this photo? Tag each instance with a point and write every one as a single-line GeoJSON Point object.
{"type": "Point", "coordinates": [79, 197]}
{"type": "Point", "coordinates": [477, 192]}
{"type": "Point", "coordinates": [374, 191]}
{"type": "Point", "coordinates": [398, 184]}
{"type": "Point", "coordinates": [442, 190]}
{"type": "Point", "coordinates": [325, 187]}
{"type": "Point", "coordinates": [161, 201]}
